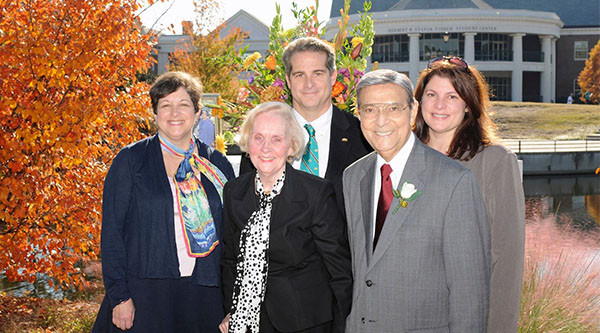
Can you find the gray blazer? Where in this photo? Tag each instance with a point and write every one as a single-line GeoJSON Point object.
{"type": "Point", "coordinates": [497, 170]}
{"type": "Point", "coordinates": [430, 271]}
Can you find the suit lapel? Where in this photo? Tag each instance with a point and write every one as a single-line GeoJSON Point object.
{"type": "Point", "coordinates": [338, 144]}
{"type": "Point", "coordinates": [366, 193]}
{"type": "Point", "coordinates": [290, 196]}
{"type": "Point", "coordinates": [244, 199]}
{"type": "Point", "coordinates": [415, 166]}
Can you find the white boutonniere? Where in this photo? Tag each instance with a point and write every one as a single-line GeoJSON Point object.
{"type": "Point", "coordinates": [407, 193]}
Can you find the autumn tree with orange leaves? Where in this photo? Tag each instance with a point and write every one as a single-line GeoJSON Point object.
{"type": "Point", "coordinates": [68, 102]}
{"type": "Point", "coordinates": [211, 55]}
{"type": "Point", "coordinates": [589, 77]}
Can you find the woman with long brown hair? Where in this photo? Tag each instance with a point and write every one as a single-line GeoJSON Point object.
{"type": "Point", "coordinates": [453, 119]}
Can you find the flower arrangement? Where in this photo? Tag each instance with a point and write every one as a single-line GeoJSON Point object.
{"type": "Point", "coordinates": [265, 79]}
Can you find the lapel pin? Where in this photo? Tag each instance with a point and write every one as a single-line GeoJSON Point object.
{"type": "Point", "coordinates": [344, 139]}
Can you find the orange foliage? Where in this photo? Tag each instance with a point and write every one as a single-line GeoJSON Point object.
{"type": "Point", "coordinates": [68, 101]}
{"type": "Point", "coordinates": [211, 54]}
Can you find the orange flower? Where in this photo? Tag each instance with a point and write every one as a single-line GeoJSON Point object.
{"type": "Point", "coordinates": [270, 63]}
{"type": "Point", "coordinates": [217, 112]}
{"type": "Point", "coordinates": [337, 89]}
{"type": "Point", "coordinates": [271, 93]}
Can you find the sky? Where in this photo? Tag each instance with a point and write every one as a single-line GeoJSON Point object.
{"type": "Point", "coordinates": [264, 10]}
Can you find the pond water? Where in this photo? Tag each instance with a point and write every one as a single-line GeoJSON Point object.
{"type": "Point", "coordinates": [572, 199]}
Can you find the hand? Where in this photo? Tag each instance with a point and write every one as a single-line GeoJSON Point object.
{"type": "Point", "coordinates": [224, 325]}
{"type": "Point", "coordinates": [123, 315]}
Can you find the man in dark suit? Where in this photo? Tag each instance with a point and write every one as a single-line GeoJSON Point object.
{"type": "Point", "coordinates": [420, 253]}
{"type": "Point", "coordinates": [310, 74]}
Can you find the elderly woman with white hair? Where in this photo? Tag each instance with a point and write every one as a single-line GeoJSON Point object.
{"type": "Point", "coordinates": [286, 262]}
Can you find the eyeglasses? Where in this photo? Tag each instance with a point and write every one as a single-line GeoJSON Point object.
{"type": "Point", "coordinates": [456, 61]}
{"type": "Point", "coordinates": [370, 111]}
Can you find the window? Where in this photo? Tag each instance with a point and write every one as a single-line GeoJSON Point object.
{"type": "Point", "coordinates": [493, 47]}
{"type": "Point", "coordinates": [435, 45]}
{"type": "Point", "coordinates": [500, 87]}
{"type": "Point", "coordinates": [576, 89]}
{"type": "Point", "coordinates": [581, 50]}
{"type": "Point", "coordinates": [390, 48]}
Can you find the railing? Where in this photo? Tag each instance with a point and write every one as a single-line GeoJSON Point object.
{"type": "Point", "coordinates": [506, 55]}
{"type": "Point", "coordinates": [552, 146]}
{"type": "Point", "coordinates": [389, 57]}
{"type": "Point", "coordinates": [533, 56]}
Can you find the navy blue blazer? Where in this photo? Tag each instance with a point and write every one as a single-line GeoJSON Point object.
{"type": "Point", "coordinates": [138, 234]}
{"type": "Point", "coordinates": [310, 277]}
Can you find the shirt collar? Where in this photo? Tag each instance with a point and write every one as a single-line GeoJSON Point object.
{"type": "Point", "coordinates": [399, 161]}
{"type": "Point", "coordinates": [322, 122]}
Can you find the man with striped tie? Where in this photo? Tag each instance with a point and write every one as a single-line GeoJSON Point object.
{"type": "Point", "coordinates": [333, 137]}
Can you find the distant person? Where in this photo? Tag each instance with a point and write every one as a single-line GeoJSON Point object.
{"type": "Point", "coordinates": [336, 140]}
{"type": "Point", "coordinates": [588, 97]}
{"type": "Point", "coordinates": [570, 99]}
{"type": "Point", "coordinates": [416, 222]}
{"type": "Point", "coordinates": [453, 118]}
{"type": "Point", "coordinates": [205, 130]}
{"type": "Point", "coordinates": [286, 264]}
{"type": "Point", "coordinates": [161, 223]}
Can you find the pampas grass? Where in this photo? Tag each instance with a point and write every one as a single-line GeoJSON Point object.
{"type": "Point", "coordinates": [561, 280]}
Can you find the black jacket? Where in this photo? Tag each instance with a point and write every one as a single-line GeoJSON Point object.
{"type": "Point", "coordinates": [310, 277]}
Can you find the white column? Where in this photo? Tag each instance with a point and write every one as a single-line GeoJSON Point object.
{"type": "Point", "coordinates": [546, 77]}
{"type": "Point", "coordinates": [553, 92]}
{"type": "Point", "coordinates": [470, 46]}
{"type": "Point", "coordinates": [413, 57]}
{"type": "Point", "coordinates": [517, 72]}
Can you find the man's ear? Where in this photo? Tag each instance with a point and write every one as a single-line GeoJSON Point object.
{"type": "Point", "coordinates": [333, 77]}
{"type": "Point", "coordinates": [413, 111]}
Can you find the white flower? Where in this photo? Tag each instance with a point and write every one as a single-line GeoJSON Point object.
{"type": "Point", "coordinates": [407, 190]}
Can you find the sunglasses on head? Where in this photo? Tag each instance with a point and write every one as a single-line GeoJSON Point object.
{"type": "Point", "coordinates": [456, 61]}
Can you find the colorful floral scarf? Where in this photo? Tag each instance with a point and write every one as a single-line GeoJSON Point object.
{"type": "Point", "coordinates": [194, 210]}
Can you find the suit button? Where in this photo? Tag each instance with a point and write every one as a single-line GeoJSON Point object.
{"type": "Point", "coordinates": [362, 320]}
{"type": "Point", "coordinates": [369, 283]}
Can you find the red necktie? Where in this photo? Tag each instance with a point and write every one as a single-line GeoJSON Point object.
{"type": "Point", "coordinates": [385, 200]}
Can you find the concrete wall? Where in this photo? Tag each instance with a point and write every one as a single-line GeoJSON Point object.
{"type": "Point", "coordinates": [560, 163]}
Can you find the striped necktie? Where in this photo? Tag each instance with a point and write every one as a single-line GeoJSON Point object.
{"type": "Point", "coordinates": [310, 159]}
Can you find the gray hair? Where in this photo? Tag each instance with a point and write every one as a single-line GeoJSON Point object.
{"type": "Point", "coordinates": [293, 131]}
{"type": "Point", "coordinates": [385, 76]}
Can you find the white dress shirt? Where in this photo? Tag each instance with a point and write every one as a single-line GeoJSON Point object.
{"type": "Point", "coordinates": [322, 126]}
{"type": "Point", "coordinates": [397, 163]}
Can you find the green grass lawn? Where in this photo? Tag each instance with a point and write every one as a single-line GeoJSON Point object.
{"type": "Point", "coordinates": [547, 121]}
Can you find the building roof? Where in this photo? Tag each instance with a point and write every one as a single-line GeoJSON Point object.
{"type": "Point", "coordinates": [574, 13]}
